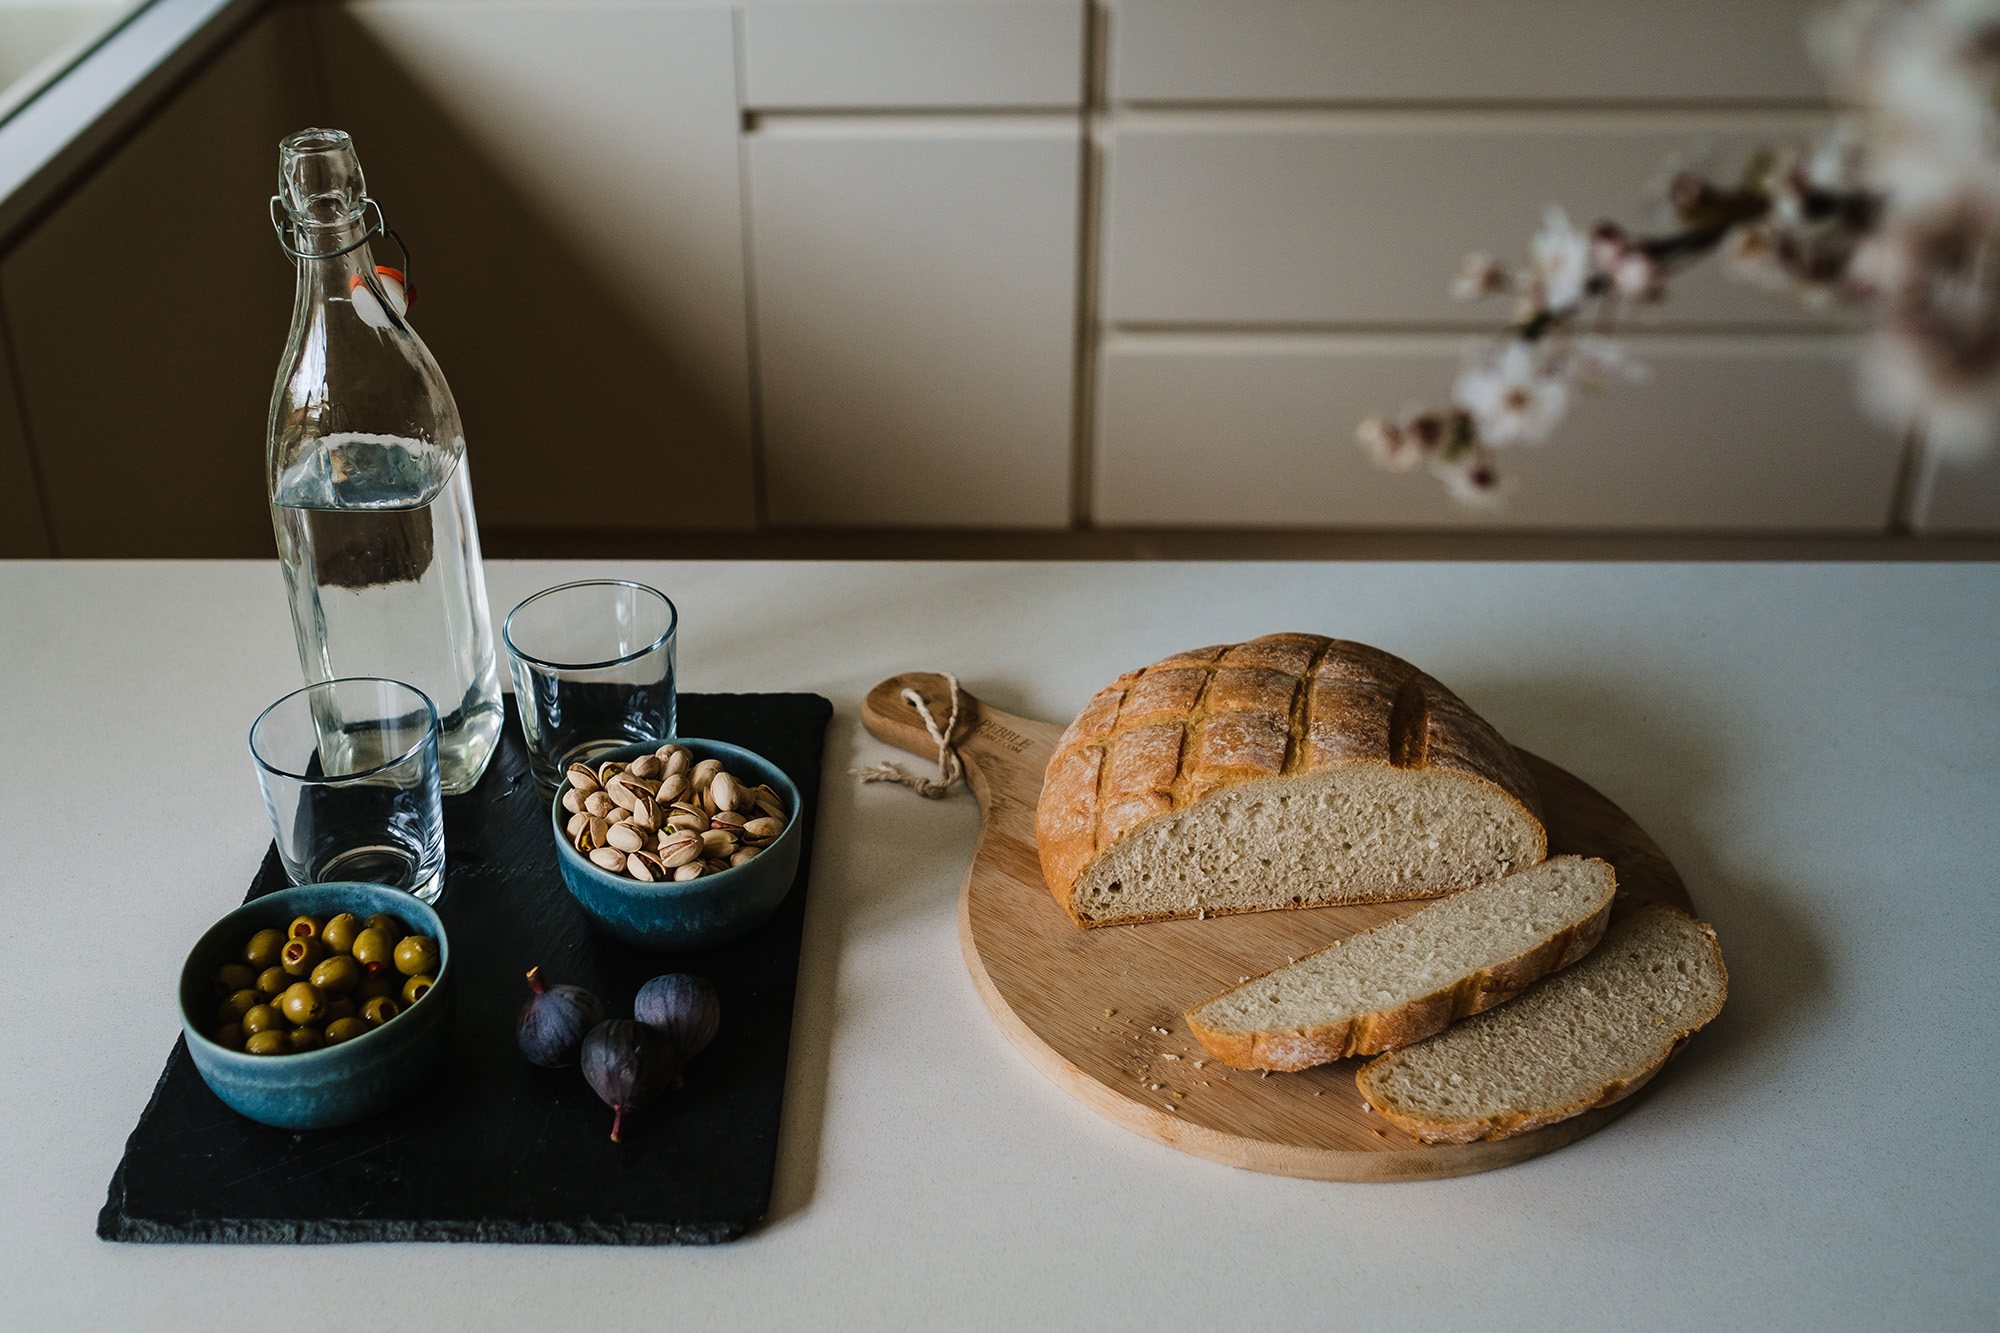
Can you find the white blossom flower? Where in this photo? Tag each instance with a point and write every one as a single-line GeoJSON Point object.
{"type": "Point", "coordinates": [1936, 356]}
{"type": "Point", "coordinates": [1561, 257]}
{"type": "Point", "coordinates": [1388, 444]}
{"type": "Point", "coordinates": [1479, 275]}
{"type": "Point", "coordinates": [1471, 479]}
{"type": "Point", "coordinates": [1511, 399]}
{"type": "Point", "coordinates": [1596, 362]}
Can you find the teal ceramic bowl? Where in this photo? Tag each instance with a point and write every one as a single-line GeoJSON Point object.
{"type": "Point", "coordinates": [337, 1084]}
{"type": "Point", "coordinates": [697, 913]}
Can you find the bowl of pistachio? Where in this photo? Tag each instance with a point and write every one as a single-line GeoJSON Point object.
{"type": "Point", "coordinates": [318, 1005]}
{"type": "Point", "coordinates": [680, 844]}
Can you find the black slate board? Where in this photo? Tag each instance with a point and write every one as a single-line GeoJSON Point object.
{"type": "Point", "coordinates": [492, 1148]}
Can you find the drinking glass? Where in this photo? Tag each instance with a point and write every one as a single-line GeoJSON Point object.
{"type": "Point", "coordinates": [349, 769]}
{"type": "Point", "coordinates": [593, 666]}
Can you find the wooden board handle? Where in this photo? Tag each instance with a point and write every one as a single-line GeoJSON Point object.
{"type": "Point", "coordinates": [894, 720]}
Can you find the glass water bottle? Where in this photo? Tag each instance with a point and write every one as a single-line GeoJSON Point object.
{"type": "Point", "coordinates": [367, 470]}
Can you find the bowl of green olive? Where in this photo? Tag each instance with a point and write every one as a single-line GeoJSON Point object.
{"type": "Point", "coordinates": [318, 1005]}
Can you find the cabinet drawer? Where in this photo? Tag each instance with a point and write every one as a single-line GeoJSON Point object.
{"type": "Point", "coordinates": [1433, 50]}
{"type": "Point", "coordinates": [1363, 218]}
{"type": "Point", "coordinates": [1730, 433]}
{"type": "Point", "coordinates": [1959, 496]}
{"type": "Point", "coordinates": [915, 286]}
{"type": "Point", "coordinates": [834, 54]}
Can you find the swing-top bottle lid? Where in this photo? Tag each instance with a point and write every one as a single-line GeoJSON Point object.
{"type": "Point", "coordinates": [319, 180]}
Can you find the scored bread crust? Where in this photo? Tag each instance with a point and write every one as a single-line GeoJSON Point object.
{"type": "Point", "coordinates": [1159, 740]}
{"type": "Point", "coordinates": [1387, 1029]}
{"type": "Point", "coordinates": [1613, 1088]}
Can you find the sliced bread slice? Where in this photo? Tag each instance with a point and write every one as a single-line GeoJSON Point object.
{"type": "Point", "coordinates": [1583, 1038]}
{"type": "Point", "coordinates": [1404, 980]}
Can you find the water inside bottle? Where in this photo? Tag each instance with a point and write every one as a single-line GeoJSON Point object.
{"type": "Point", "coordinates": [381, 554]}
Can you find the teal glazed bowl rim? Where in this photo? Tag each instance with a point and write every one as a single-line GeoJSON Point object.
{"type": "Point", "coordinates": [334, 1085]}
{"type": "Point", "coordinates": [696, 913]}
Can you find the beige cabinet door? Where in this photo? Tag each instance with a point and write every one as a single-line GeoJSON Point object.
{"type": "Point", "coordinates": [1278, 51]}
{"type": "Point", "coordinates": [1730, 433]}
{"type": "Point", "coordinates": [1958, 496]}
{"type": "Point", "coordinates": [911, 54]}
{"type": "Point", "coordinates": [567, 175]}
{"type": "Point", "coordinates": [1323, 218]}
{"type": "Point", "coordinates": [915, 283]}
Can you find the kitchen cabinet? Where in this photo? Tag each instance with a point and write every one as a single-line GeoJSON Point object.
{"type": "Point", "coordinates": [915, 296]}
{"type": "Point", "coordinates": [1276, 51]}
{"type": "Point", "coordinates": [1729, 432]}
{"type": "Point", "coordinates": [1958, 496]}
{"type": "Point", "coordinates": [22, 531]}
{"type": "Point", "coordinates": [567, 175]}
{"type": "Point", "coordinates": [883, 54]}
{"type": "Point", "coordinates": [148, 311]}
{"type": "Point", "coordinates": [1363, 217]}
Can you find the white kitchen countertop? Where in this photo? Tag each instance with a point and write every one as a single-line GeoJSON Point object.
{"type": "Point", "coordinates": [1817, 748]}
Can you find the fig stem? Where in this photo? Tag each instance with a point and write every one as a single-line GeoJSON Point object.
{"type": "Point", "coordinates": [617, 1119]}
{"type": "Point", "coordinates": [535, 982]}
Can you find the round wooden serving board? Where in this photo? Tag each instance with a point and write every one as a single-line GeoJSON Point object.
{"type": "Point", "coordinates": [1100, 1010]}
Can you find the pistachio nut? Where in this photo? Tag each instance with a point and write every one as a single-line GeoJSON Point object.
{"type": "Point", "coordinates": [677, 852]}
{"type": "Point", "coordinates": [672, 787]}
{"type": "Point", "coordinates": [582, 778]}
{"type": "Point", "coordinates": [728, 819]}
{"type": "Point", "coordinates": [764, 829]}
{"type": "Point", "coordinates": [704, 772]}
{"type": "Point", "coordinates": [608, 858]}
{"type": "Point", "coordinates": [646, 766]}
{"type": "Point", "coordinates": [626, 838]}
{"type": "Point", "coordinates": [572, 800]}
{"type": "Point", "coordinates": [740, 857]}
{"type": "Point", "coordinates": [718, 842]}
{"type": "Point", "coordinates": [692, 870]}
{"type": "Point", "coordinates": [724, 791]}
{"type": "Point", "coordinates": [676, 758]}
{"type": "Point", "coordinates": [688, 823]}
{"type": "Point", "coordinates": [643, 866]}
{"type": "Point", "coordinates": [578, 822]}
{"type": "Point", "coordinates": [597, 803]}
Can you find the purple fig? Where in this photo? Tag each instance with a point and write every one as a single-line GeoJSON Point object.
{"type": "Point", "coordinates": [554, 1020]}
{"type": "Point", "coordinates": [683, 1009]}
{"type": "Point", "coordinates": [627, 1064]}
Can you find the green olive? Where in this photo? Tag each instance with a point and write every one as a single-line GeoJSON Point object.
{"type": "Point", "coordinates": [301, 955]}
{"type": "Point", "coordinates": [263, 1018]}
{"type": "Point", "coordinates": [339, 1007]}
{"type": "Point", "coordinates": [273, 980]}
{"type": "Point", "coordinates": [416, 955]}
{"type": "Point", "coordinates": [372, 946]}
{"type": "Point", "coordinates": [303, 1004]}
{"type": "Point", "coordinates": [304, 928]}
{"type": "Point", "coordinates": [240, 1003]}
{"type": "Point", "coordinates": [414, 988]}
{"type": "Point", "coordinates": [233, 977]}
{"type": "Point", "coordinates": [344, 1029]}
{"type": "Point", "coordinates": [391, 928]}
{"type": "Point", "coordinates": [339, 931]}
{"type": "Point", "coordinates": [306, 1039]}
{"type": "Point", "coordinates": [379, 1010]}
{"type": "Point", "coordinates": [272, 1042]}
{"type": "Point", "coordinates": [338, 974]}
{"type": "Point", "coordinates": [262, 950]}
{"type": "Point", "coordinates": [377, 982]}
{"type": "Point", "coordinates": [230, 1035]}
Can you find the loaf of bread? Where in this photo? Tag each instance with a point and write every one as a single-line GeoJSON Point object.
{"type": "Point", "coordinates": [1409, 978]}
{"type": "Point", "coordinates": [1289, 771]}
{"type": "Point", "coordinates": [1585, 1037]}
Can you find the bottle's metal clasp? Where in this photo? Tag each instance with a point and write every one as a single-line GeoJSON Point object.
{"type": "Point", "coordinates": [380, 227]}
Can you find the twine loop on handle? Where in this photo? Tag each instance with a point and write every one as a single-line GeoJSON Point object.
{"type": "Point", "coordinates": [950, 770]}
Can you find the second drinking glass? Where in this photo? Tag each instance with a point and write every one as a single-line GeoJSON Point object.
{"type": "Point", "coordinates": [593, 667]}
